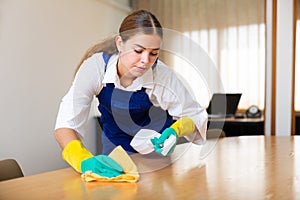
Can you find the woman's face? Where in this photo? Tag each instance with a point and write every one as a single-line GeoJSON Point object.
{"type": "Point", "coordinates": [137, 54]}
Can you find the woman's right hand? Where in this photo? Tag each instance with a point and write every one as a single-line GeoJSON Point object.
{"type": "Point", "coordinates": [102, 165]}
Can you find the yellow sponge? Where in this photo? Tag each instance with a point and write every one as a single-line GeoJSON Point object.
{"type": "Point", "coordinates": [122, 158]}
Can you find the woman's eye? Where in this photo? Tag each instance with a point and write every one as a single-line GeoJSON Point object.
{"type": "Point", "coordinates": [141, 51]}
{"type": "Point", "coordinates": [138, 51]}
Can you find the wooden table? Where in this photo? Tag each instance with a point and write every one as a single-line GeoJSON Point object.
{"type": "Point", "coordinates": [247, 167]}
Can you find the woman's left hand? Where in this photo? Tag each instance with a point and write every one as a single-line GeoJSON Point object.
{"type": "Point", "coordinates": [166, 143]}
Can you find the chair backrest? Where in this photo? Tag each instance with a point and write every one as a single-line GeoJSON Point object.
{"type": "Point", "coordinates": [9, 169]}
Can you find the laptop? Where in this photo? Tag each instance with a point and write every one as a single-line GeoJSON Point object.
{"type": "Point", "coordinates": [223, 105]}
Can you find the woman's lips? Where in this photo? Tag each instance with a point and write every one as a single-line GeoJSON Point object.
{"type": "Point", "coordinates": [140, 68]}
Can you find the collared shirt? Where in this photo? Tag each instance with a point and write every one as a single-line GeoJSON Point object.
{"type": "Point", "coordinates": [162, 86]}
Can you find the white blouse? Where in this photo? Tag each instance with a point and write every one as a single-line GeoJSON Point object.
{"type": "Point", "coordinates": [162, 86]}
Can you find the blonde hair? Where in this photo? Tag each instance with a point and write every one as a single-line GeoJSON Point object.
{"type": "Point", "coordinates": [139, 21]}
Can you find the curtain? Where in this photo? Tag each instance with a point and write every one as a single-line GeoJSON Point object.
{"type": "Point", "coordinates": [230, 32]}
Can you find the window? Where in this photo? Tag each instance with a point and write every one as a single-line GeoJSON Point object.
{"type": "Point", "coordinates": [241, 61]}
{"type": "Point", "coordinates": [232, 32]}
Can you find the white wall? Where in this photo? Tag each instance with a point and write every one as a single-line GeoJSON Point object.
{"type": "Point", "coordinates": [284, 66]}
{"type": "Point", "coordinates": [41, 42]}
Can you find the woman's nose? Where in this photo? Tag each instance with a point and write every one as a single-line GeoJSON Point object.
{"type": "Point", "coordinates": [145, 57]}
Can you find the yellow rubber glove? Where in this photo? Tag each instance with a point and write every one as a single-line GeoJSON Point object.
{"type": "Point", "coordinates": [74, 153]}
{"type": "Point", "coordinates": [183, 126]}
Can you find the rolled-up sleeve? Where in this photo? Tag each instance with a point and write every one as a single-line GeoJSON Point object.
{"type": "Point", "coordinates": [76, 104]}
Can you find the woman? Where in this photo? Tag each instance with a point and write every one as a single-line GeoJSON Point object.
{"type": "Point", "coordinates": [135, 90]}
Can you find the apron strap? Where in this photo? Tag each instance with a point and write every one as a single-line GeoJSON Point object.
{"type": "Point", "coordinates": [106, 58]}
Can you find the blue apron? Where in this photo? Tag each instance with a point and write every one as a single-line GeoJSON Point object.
{"type": "Point", "coordinates": [124, 113]}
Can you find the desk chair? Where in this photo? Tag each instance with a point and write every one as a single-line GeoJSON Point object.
{"type": "Point", "coordinates": [9, 169]}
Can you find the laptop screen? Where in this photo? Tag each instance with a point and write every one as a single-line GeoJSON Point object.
{"type": "Point", "coordinates": [223, 104]}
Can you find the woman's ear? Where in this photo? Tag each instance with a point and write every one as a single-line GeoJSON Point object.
{"type": "Point", "coordinates": [119, 43]}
